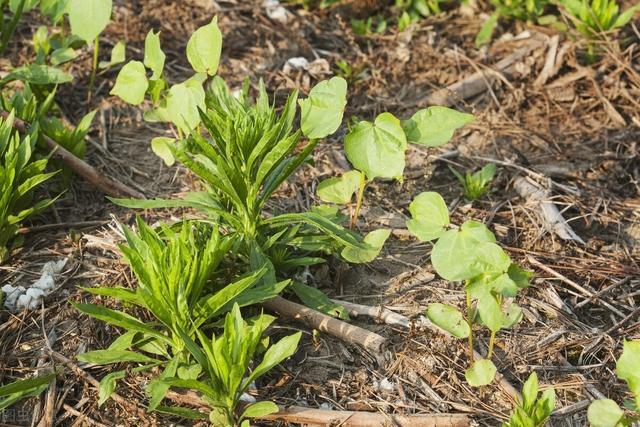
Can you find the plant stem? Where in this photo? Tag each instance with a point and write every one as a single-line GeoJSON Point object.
{"type": "Point", "coordinates": [470, 322]}
{"type": "Point", "coordinates": [363, 184]}
{"type": "Point", "coordinates": [492, 340]}
{"type": "Point", "coordinates": [94, 66]}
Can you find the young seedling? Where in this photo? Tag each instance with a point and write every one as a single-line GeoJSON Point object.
{"type": "Point", "coordinates": [477, 184]}
{"type": "Point", "coordinates": [20, 176]}
{"type": "Point", "coordinates": [522, 10]}
{"type": "Point", "coordinates": [178, 287]}
{"type": "Point", "coordinates": [533, 410]}
{"type": "Point", "coordinates": [606, 412]}
{"type": "Point", "coordinates": [87, 19]}
{"type": "Point", "coordinates": [227, 361]}
{"type": "Point", "coordinates": [470, 254]}
{"type": "Point", "coordinates": [595, 18]}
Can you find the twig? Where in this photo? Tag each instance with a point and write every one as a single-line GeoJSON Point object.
{"type": "Point", "coordinates": [378, 313]}
{"type": "Point", "coordinates": [84, 417]}
{"type": "Point", "coordinates": [102, 182]}
{"type": "Point", "coordinates": [368, 340]}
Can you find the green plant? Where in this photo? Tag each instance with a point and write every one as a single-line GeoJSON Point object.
{"type": "Point", "coordinates": [178, 286]}
{"type": "Point", "coordinates": [477, 184]}
{"type": "Point", "coordinates": [594, 18]}
{"type": "Point", "coordinates": [522, 10]}
{"type": "Point", "coordinates": [532, 411]}
{"type": "Point", "coordinates": [469, 253]}
{"type": "Point", "coordinates": [20, 175]}
{"type": "Point", "coordinates": [18, 390]}
{"type": "Point", "coordinates": [226, 362]}
{"type": "Point", "coordinates": [606, 412]}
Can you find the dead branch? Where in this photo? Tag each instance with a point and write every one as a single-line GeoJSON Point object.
{"type": "Point", "coordinates": [102, 182]}
{"type": "Point", "coordinates": [378, 313]}
{"type": "Point", "coordinates": [368, 340]}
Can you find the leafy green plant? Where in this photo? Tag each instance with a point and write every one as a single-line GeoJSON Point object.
{"type": "Point", "coordinates": [18, 390]}
{"type": "Point", "coordinates": [20, 175]}
{"type": "Point", "coordinates": [177, 286]}
{"type": "Point", "coordinates": [606, 412]}
{"type": "Point", "coordinates": [477, 184]}
{"type": "Point", "coordinates": [522, 10]}
{"type": "Point", "coordinates": [594, 18]}
{"type": "Point", "coordinates": [227, 365]}
{"type": "Point", "coordinates": [469, 253]}
{"type": "Point", "coordinates": [532, 410]}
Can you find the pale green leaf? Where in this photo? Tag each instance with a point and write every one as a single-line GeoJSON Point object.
{"type": "Point", "coordinates": [89, 17]}
{"type": "Point", "coordinates": [321, 112]}
{"type": "Point", "coordinates": [604, 413]}
{"type": "Point", "coordinates": [117, 55]}
{"type": "Point", "coordinates": [183, 102]}
{"type": "Point", "coordinates": [340, 189]}
{"type": "Point", "coordinates": [448, 318]}
{"type": "Point", "coordinates": [131, 83]}
{"type": "Point", "coordinates": [154, 57]}
{"type": "Point", "coordinates": [628, 367]}
{"type": "Point", "coordinates": [62, 55]}
{"type": "Point", "coordinates": [434, 126]}
{"type": "Point", "coordinates": [429, 216]}
{"type": "Point", "coordinates": [374, 242]}
{"type": "Point", "coordinates": [160, 146]}
{"type": "Point", "coordinates": [108, 385]}
{"type": "Point", "coordinates": [481, 373]}
{"type": "Point", "coordinates": [204, 48]}
{"type": "Point", "coordinates": [259, 409]}
{"type": "Point", "coordinates": [378, 148]}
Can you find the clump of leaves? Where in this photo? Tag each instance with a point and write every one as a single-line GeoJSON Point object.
{"type": "Point", "coordinates": [606, 412]}
{"type": "Point", "coordinates": [594, 18]}
{"type": "Point", "coordinates": [533, 410]}
{"type": "Point", "coordinates": [522, 10]}
{"type": "Point", "coordinates": [477, 184]}
{"type": "Point", "coordinates": [18, 390]}
{"type": "Point", "coordinates": [177, 286]}
{"type": "Point", "coordinates": [227, 368]}
{"type": "Point", "coordinates": [20, 175]}
{"type": "Point", "coordinates": [410, 11]}
{"type": "Point", "coordinates": [469, 253]}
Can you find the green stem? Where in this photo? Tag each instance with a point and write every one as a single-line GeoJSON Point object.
{"type": "Point", "coordinates": [470, 322]}
{"type": "Point", "coordinates": [492, 340]}
{"type": "Point", "coordinates": [94, 66]}
{"type": "Point", "coordinates": [363, 184]}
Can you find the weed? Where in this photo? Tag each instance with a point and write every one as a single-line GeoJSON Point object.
{"type": "Point", "coordinates": [477, 184]}
{"type": "Point", "coordinates": [532, 410]}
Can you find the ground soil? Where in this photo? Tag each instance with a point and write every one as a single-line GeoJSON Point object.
{"type": "Point", "coordinates": [577, 134]}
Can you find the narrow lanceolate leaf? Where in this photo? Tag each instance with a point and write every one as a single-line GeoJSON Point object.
{"type": "Point", "coordinates": [340, 189]}
{"type": "Point", "coordinates": [482, 372]}
{"type": "Point", "coordinates": [107, 357]}
{"type": "Point", "coordinates": [318, 300]}
{"type": "Point", "coordinates": [434, 126]}
{"type": "Point", "coordinates": [108, 385]}
{"type": "Point", "coordinates": [38, 74]}
{"type": "Point", "coordinates": [154, 57]}
{"type": "Point", "coordinates": [448, 318]}
{"type": "Point", "coordinates": [89, 17]}
{"type": "Point", "coordinates": [373, 241]}
{"type": "Point", "coordinates": [204, 48]}
{"type": "Point", "coordinates": [131, 83]}
{"type": "Point", "coordinates": [377, 148]}
{"type": "Point", "coordinates": [429, 216]}
{"type": "Point", "coordinates": [275, 354]}
{"type": "Point", "coordinates": [322, 111]}
{"type": "Point", "coordinates": [604, 413]}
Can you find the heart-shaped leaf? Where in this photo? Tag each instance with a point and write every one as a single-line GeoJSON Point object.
{"type": "Point", "coordinates": [482, 372]}
{"type": "Point", "coordinates": [204, 48]}
{"type": "Point", "coordinates": [131, 83]}
{"type": "Point", "coordinates": [374, 240]}
{"type": "Point", "coordinates": [321, 112]}
{"type": "Point", "coordinates": [434, 126]}
{"type": "Point", "coordinates": [628, 367]}
{"type": "Point", "coordinates": [448, 318]}
{"type": "Point", "coordinates": [377, 148]}
{"type": "Point", "coordinates": [429, 215]}
{"type": "Point", "coordinates": [89, 17]}
{"type": "Point", "coordinates": [153, 55]}
{"type": "Point", "coordinates": [183, 101]}
{"type": "Point", "coordinates": [339, 190]}
{"type": "Point", "coordinates": [511, 316]}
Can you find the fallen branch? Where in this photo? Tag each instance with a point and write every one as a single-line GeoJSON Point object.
{"type": "Point", "coordinates": [102, 182]}
{"type": "Point", "coordinates": [311, 417]}
{"type": "Point", "coordinates": [378, 313]}
{"type": "Point", "coordinates": [480, 81]}
{"type": "Point", "coordinates": [552, 217]}
{"type": "Point", "coordinates": [368, 340]}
